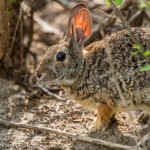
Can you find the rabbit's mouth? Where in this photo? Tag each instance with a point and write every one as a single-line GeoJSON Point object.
{"type": "Point", "coordinates": [59, 81]}
{"type": "Point", "coordinates": [44, 79]}
{"type": "Point", "coordinates": [48, 82]}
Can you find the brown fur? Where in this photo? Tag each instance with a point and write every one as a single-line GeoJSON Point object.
{"type": "Point", "coordinates": [86, 77]}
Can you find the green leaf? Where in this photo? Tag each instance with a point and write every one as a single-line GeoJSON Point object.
{"type": "Point", "coordinates": [134, 53]}
{"type": "Point", "coordinates": [137, 47]}
{"type": "Point", "coordinates": [108, 2]}
{"type": "Point", "coordinates": [118, 2]}
{"type": "Point", "coordinates": [146, 54]}
{"type": "Point", "coordinates": [144, 5]}
{"type": "Point", "coordinates": [145, 68]}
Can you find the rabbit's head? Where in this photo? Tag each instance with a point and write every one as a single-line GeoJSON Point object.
{"type": "Point", "coordinates": [64, 63]}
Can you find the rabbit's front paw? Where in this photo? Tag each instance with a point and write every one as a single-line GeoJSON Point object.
{"type": "Point", "coordinates": [100, 126]}
{"type": "Point", "coordinates": [105, 115]}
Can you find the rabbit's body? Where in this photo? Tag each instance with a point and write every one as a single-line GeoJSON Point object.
{"type": "Point", "coordinates": [96, 81]}
{"type": "Point", "coordinates": [87, 77]}
{"type": "Point", "coordinates": [95, 88]}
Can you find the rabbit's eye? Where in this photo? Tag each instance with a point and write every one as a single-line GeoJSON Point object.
{"type": "Point", "coordinates": [61, 56]}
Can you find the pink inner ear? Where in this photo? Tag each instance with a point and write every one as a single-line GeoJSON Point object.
{"type": "Point", "coordinates": [74, 12]}
{"type": "Point", "coordinates": [81, 23]}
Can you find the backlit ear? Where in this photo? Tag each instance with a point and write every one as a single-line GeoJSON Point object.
{"type": "Point", "coordinates": [80, 25]}
{"type": "Point", "coordinates": [74, 11]}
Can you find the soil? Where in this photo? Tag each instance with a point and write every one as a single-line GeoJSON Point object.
{"type": "Point", "coordinates": [33, 107]}
{"type": "Point", "coordinates": [19, 106]}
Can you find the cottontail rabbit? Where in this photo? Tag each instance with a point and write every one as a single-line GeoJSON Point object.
{"type": "Point", "coordinates": [85, 74]}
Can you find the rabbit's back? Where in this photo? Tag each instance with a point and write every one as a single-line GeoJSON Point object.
{"type": "Point", "coordinates": [97, 84]}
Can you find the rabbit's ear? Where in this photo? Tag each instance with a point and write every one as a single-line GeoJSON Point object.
{"type": "Point", "coordinates": [74, 11]}
{"type": "Point", "coordinates": [80, 25]}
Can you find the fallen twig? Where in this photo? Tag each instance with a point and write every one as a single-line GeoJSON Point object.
{"type": "Point", "coordinates": [136, 15]}
{"type": "Point", "coordinates": [46, 28]}
{"type": "Point", "coordinates": [66, 4]}
{"type": "Point", "coordinates": [67, 134]}
{"type": "Point", "coordinates": [125, 4]}
{"type": "Point", "coordinates": [49, 93]}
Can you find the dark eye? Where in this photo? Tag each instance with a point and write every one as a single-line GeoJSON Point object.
{"type": "Point", "coordinates": [61, 56]}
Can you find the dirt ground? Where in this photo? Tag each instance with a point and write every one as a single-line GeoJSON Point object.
{"type": "Point", "coordinates": [35, 108]}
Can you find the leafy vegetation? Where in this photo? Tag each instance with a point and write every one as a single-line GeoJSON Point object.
{"type": "Point", "coordinates": [145, 54]}
{"type": "Point", "coordinates": [145, 68]}
{"type": "Point", "coordinates": [117, 2]}
{"type": "Point", "coordinates": [144, 5]}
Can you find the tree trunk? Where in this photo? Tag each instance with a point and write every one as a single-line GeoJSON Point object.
{"type": "Point", "coordinates": [3, 29]}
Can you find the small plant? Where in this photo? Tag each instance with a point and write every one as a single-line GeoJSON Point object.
{"type": "Point", "coordinates": [117, 2]}
{"type": "Point", "coordinates": [144, 5]}
{"type": "Point", "coordinates": [145, 54]}
{"type": "Point", "coordinates": [145, 68]}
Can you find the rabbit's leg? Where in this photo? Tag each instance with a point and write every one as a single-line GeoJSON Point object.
{"type": "Point", "coordinates": [105, 115]}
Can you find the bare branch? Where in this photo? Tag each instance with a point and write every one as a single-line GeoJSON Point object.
{"type": "Point", "coordinates": [50, 93]}
{"type": "Point", "coordinates": [67, 134]}
{"type": "Point", "coordinates": [136, 15]}
{"type": "Point", "coordinates": [15, 32]}
{"type": "Point", "coordinates": [66, 4]}
{"type": "Point", "coordinates": [147, 16]}
{"type": "Point", "coordinates": [125, 4]}
{"type": "Point", "coordinates": [46, 28]}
